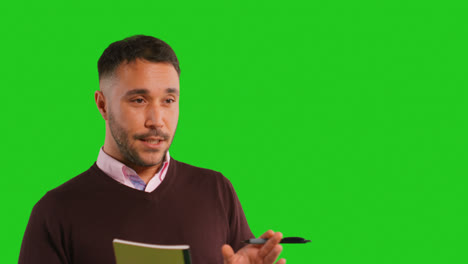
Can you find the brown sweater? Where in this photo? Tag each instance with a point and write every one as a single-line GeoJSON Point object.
{"type": "Point", "coordinates": [77, 221]}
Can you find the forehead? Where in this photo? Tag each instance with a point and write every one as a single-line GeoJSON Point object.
{"type": "Point", "coordinates": [141, 74]}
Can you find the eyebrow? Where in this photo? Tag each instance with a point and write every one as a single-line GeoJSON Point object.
{"type": "Point", "coordinates": [137, 91]}
{"type": "Point", "coordinates": [172, 90]}
{"type": "Point", "coordinates": [146, 91]}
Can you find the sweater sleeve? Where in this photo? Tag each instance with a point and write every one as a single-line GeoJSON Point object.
{"type": "Point", "coordinates": [43, 238]}
{"type": "Point", "coordinates": [239, 229]}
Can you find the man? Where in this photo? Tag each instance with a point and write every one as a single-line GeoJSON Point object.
{"type": "Point", "coordinates": [136, 191]}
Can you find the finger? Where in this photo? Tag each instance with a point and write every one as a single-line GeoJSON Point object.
{"type": "Point", "coordinates": [281, 261]}
{"type": "Point", "coordinates": [227, 252]}
{"type": "Point", "coordinates": [267, 234]}
{"type": "Point", "coordinates": [270, 244]}
{"type": "Point", "coordinates": [273, 255]}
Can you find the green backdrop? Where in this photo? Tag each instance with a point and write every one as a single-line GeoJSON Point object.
{"type": "Point", "coordinates": [344, 122]}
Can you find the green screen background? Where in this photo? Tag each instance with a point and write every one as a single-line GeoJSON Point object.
{"type": "Point", "coordinates": [340, 121]}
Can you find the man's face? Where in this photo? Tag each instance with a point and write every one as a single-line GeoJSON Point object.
{"type": "Point", "coordinates": [142, 112]}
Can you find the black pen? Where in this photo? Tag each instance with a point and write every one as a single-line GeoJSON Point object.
{"type": "Point", "coordinates": [286, 240]}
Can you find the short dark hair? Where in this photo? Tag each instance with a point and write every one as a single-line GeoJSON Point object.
{"type": "Point", "coordinates": [132, 48]}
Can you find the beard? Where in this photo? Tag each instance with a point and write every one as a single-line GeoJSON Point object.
{"type": "Point", "coordinates": [129, 151]}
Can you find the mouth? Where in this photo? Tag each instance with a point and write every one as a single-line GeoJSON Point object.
{"type": "Point", "coordinates": [152, 142]}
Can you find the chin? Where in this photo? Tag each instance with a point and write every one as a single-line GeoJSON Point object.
{"type": "Point", "coordinates": [153, 160]}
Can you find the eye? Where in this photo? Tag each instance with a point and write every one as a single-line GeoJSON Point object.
{"type": "Point", "coordinates": [169, 101]}
{"type": "Point", "coordinates": [138, 100]}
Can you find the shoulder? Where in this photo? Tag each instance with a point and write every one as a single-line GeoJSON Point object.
{"type": "Point", "coordinates": [201, 176]}
{"type": "Point", "coordinates": [197, 172]}
{"type": "Point", "coordinates": [81, 182]}
{"type": "Point", "coordinates": [183, 167]}
{"type": "Point", "coordinates": [79, 185]}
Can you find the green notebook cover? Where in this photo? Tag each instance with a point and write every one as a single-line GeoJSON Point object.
{"type": "Point", "coordinates": [128, 252]}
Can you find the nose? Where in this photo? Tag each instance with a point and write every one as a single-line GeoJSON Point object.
{"type": "Point", "coordinates": [154, 117]}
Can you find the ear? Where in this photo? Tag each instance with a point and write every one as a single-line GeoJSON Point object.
{"type": "Point", "coordinates": [101, 103]}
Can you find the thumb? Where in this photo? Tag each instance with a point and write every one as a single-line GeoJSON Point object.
{"type": "Point", "coordinates": [227, 252]}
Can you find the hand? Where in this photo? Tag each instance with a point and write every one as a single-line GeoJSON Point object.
{"type": "Point", "coordinates": [256, 254]}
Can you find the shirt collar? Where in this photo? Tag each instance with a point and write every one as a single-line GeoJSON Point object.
{"type": "Point", "coordinates": [121, 172]}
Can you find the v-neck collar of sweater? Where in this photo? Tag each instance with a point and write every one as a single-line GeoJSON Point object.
{"type": "Point", "coordinates": [113, 185]}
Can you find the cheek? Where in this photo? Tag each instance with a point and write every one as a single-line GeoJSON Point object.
{"type": "Point", "coordinates": [131, 117]}
{"type": "Point", "coordinates": [174, 119]}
